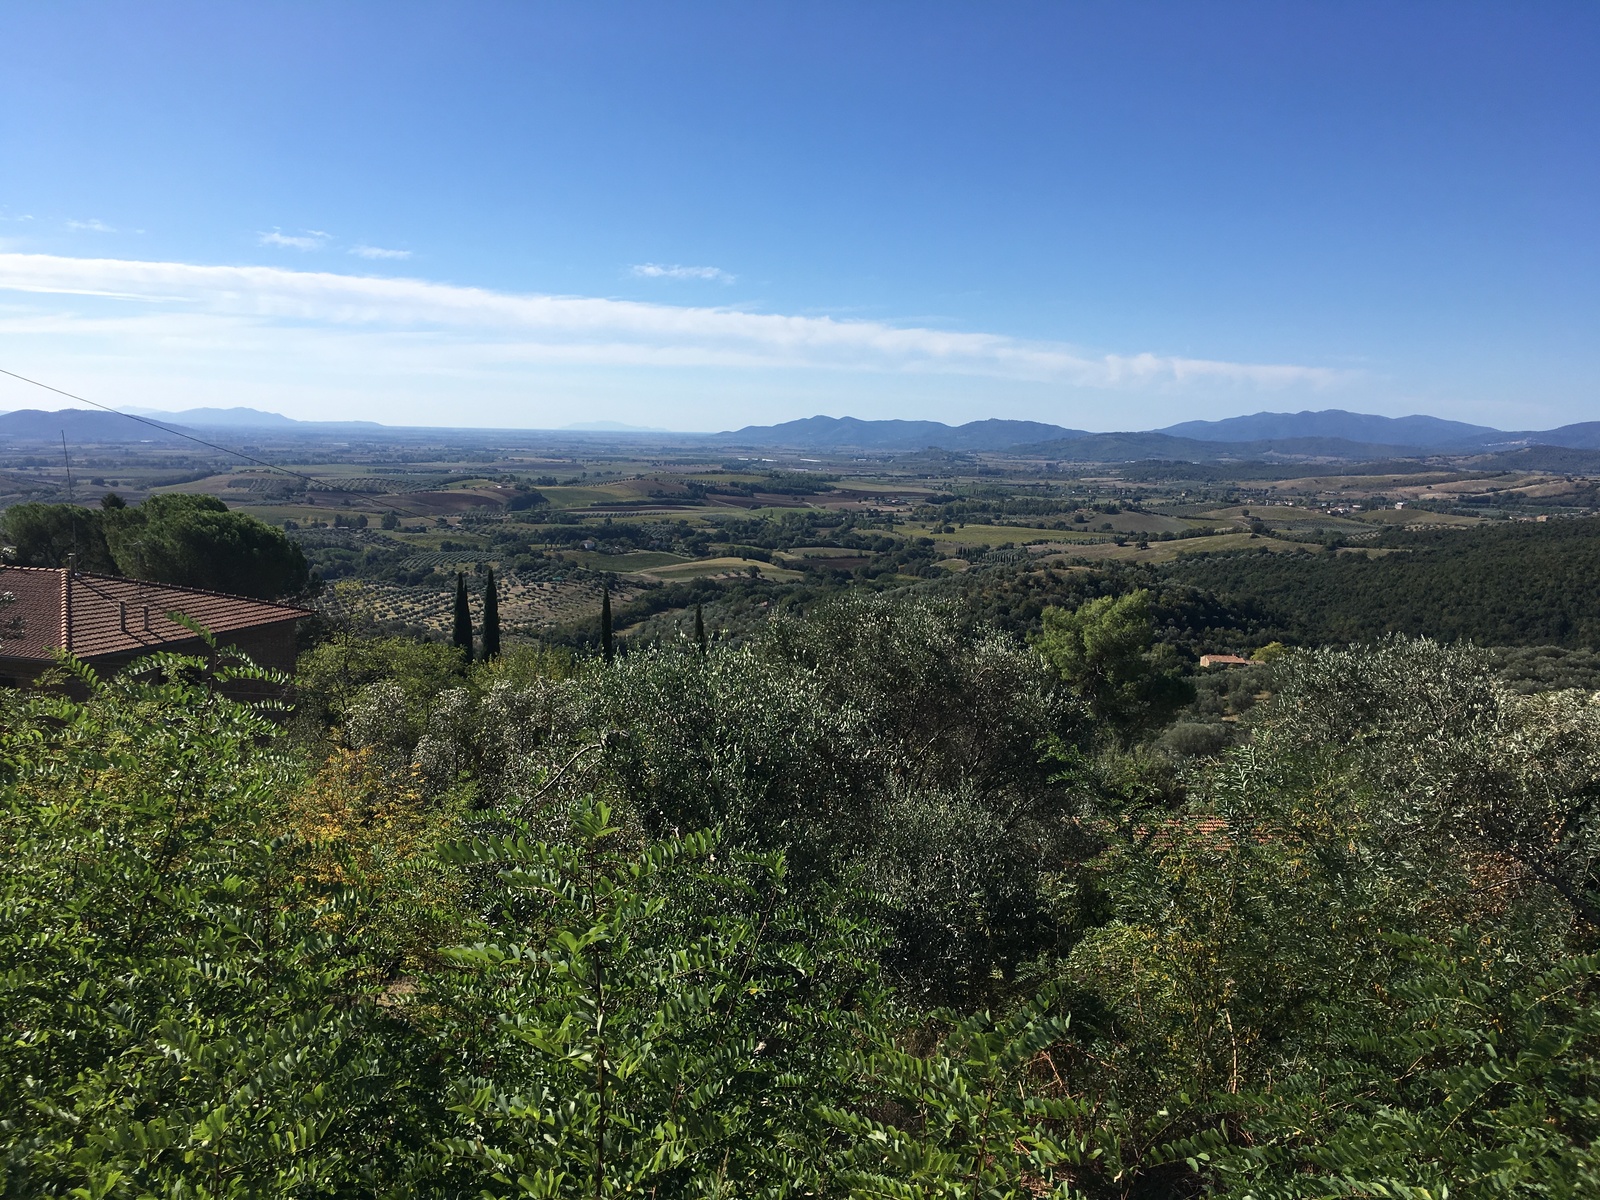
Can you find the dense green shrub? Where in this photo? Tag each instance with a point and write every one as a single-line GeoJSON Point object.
{"type": "Point", "coordinates": [867, 905]}
{"type": "Point", "coordinates": [1469, 1078]}
{"type": "Point", "coordinates": [185, 1011]}
{"type": "Point", "coordinates": [660, 1019]}
{"type": "Point", "coordinates": [869, 741]}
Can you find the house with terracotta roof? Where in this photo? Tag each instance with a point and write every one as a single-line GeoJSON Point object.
{"type": "Point", "coordinates": [108, 621]}
{"type": "Point", "coordinates": [1225, 660]}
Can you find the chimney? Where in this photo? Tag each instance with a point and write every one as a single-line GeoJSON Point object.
{"type": "Point", "coordinates": [147, 618]}
{"type": "Point", "coordinates": [122, 614]}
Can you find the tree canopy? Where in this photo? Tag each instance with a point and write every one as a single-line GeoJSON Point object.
{"type": "Point", "coordinates": [192, 540]}
{"type": "Point", "coordinates": [1106, 651]}
{"type": "Point", "coordinates": [50, 535]}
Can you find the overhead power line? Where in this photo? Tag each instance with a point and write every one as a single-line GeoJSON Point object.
{"type": "Point", "coordinates": [260, 462]}
{"type": "Point", "coordinates": [200, 441]}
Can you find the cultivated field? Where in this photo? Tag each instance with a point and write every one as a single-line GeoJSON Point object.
{"type": "Point", "coordinates": [526, 605]}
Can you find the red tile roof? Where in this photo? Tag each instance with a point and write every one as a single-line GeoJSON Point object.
{"type": "Point", "coordinates": [95, 615]}
{"type": "Point", "coordinates": [1198, 831]}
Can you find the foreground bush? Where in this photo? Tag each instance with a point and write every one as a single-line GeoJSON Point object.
{"type": "Point", "coordinates": [222, 977]}
{"type": "Point", "coordinates": [471, 952]}
{"type": "Point", "coordinates": [183, 1013]}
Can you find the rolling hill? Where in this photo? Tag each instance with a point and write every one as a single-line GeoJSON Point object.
{"type": "Point", "coordinates": [1425, 434]}
{"type": "Point", "coordinates": [1332, 434]}
{"type": "Point", "coordinates": [79, 426]}
{"type": "Point", "coordinates": [850, 433]}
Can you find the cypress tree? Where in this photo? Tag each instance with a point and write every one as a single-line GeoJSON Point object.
{"type": "Point", "coordinates": [462, 636]}
{"type": "Point", "coordinates": [699, 629]}
{"type": "Point", "coordinates": [606, 647]}
{"type": "Point", "coordinates": [491, 617]}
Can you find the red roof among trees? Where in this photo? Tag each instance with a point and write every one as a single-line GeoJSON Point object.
{"type": "Point", "coordinates": [94, 615]}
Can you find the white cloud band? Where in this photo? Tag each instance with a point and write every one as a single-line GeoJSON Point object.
{"type": "Point", "coordinates": [664, 271]}
{"type": "Point", "coordinates": [455, 327]}
{"type": "Point", "coordinates": [310, 239]}
{"type": "Point", "coordinates": [365, 251]}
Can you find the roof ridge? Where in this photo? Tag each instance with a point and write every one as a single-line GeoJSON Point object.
{"type": "Point", "coordinates": [175, 587]}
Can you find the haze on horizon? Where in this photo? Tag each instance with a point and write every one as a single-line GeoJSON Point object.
{"type": "Point", "coordinates": [705, 216]}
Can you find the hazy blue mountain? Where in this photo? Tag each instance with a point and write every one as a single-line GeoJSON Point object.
{"type": "Point", "coordinates": [1136, 447]}
{"type": "Point", "coordinates": [997, 433]}
{"type": "Point", "coordinates": [80, 426]}
{"type": "Point", "coordinates": [217, 418]}
{"type": "Point", "coordinates": [116, 428]}
{"type": "Point", "coordinates": [1282, 435]}
{"type": "Point", "coordinates": [1421, 433]}
{"type": "Point", "coordinates": [247, 418]}
{"type": "Point", "coordinates": [1583, 436]}
{"type": "Point", "coordinates": [1329, 434]}
{"type": "Point", "coordinates": [850, 433]}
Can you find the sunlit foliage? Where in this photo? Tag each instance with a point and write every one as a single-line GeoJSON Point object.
{"type": "Point", "coordinates": [878, 902]}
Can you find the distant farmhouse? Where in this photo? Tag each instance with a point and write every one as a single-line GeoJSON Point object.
{"type": "Point", "coordinates": [1225, 660]}
{"type": "Point", "coordinates": [108, 621]}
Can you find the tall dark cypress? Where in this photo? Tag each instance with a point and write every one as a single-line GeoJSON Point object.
{"type": "Point", "coordinates": [699, 629]}
{"type": "Point", "coordinates": [462, 636]}
{"type": "Point", "coordinates": [491, 617]}
{"type": "Point", "coordinates": [606, 647]}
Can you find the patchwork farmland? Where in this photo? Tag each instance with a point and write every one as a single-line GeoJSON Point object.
{"type": "Point", "coordinates": [528, 605]}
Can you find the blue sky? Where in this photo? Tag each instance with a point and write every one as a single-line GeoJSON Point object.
{"type": "Point", "coordinates": [701, 216]}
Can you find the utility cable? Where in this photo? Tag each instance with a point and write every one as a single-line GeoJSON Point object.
{"type": "Point", "coordinates": [260, 462]}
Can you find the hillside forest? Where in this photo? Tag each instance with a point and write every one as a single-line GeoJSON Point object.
{"type": "Point", "coordinates": [914, 854]}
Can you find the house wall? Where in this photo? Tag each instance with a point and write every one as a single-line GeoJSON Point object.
{"type": "Point", "coordinates": [267, 645]}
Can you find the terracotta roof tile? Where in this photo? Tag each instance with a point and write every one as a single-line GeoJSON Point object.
{"type": "Point", "coordinates": [94, 615]}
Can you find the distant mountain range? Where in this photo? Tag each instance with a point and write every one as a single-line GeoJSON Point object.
{"type": "Point", "coordinates": [98, 426]}
{"type": "Point", "coordinates": [1336, 423]}
{"type": "Point", "coordinates": [77, 426]}
{"type": "Point", "coordinates": [242, 418]}
{"type": "Point", "coordinates": [849, 433]}
{"type": "Point", "coordinates": [1330, 434]}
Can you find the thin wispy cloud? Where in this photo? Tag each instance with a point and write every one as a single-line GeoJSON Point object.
{"type": "Point", "coordinates": [365, 251]}
{"type": "Point", "coordinates": [306, 239]}
{"type": "Point", "coordinates": [92, 225]}
{"type": "Point", "coordinates": [674, 271]}
{"type": "Point", "coordinates": [235, 328]}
